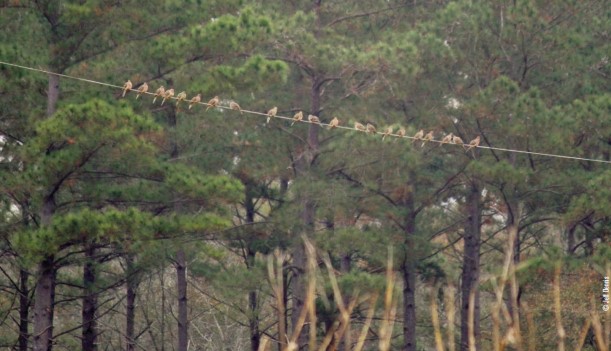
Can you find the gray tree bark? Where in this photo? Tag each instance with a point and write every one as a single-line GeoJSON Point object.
{"type": "Point", "coordinates": [470, 270]}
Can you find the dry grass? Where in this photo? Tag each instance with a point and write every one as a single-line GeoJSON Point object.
{"type": "Point", "coordinates": [505, 324]}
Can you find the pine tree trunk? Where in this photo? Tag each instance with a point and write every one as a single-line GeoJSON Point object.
{"type": "Point", "coordinates": [255, 333]}
{"type": "Point", "coordinates": [470, 269]}
{"type": "Point", "coordinates": [253, 322]}
{"type": "Point", "coordinates": [181, 287]}
{"type": "Point", "coordinates": [130, 313]}
{"type": "Point", "coordinates": [308, 214]}
{"type": "Point", "coordinates": [24, 309]}
{"type": "Point", "coordinates": [90, 301]}
{"type": "Point", "coordinates": [43, 305]}
{"type": "Point", "coordinates": [570, 250]}
{"type": "Point", "coordinates": [408, 272]}
{"type": "Point", "coordinates": [44, 293]}
{"type": "Point", "coordinates": [513, 228]}
{"type": "Point", "coordinates": [180, 262]}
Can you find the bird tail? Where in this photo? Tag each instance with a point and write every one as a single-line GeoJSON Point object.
{"type": "Point", "coordinates": [124, 91]}
{"type": "Point", "coordinates": [162, 101]}
{"type": "Point", "coordinates": [154, 99]}
{"type": "Point", "coordinates": [190, 105]}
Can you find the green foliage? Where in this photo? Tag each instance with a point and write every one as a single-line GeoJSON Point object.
{"type": "Point", "coordinates": [144, 181]}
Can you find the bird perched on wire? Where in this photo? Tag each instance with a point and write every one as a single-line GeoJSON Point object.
{"type": "Point", "coordinates": [214, 102]}
{"type": "Point", "coordinates": [427, 137]}
{"type": "Point", "coordinates": [168, 95]}
{"type": "Point", "coordinates": [360, 127]}
{"type": "Point", "coordinates": [473, 143]}
{"type": "Point", "coordinates": [182, 96]}
{"type": "Point", "coordinates": [272, 113]}
{"type": "Point", "coordinates": [401, 132]}
{"type": "Point", "coordinates": [297, 117]}
{"type": "Point", "coordinates": [195, 100]}
{"type": "Point", "coordinates": [418, 135]}
{"type": "Point", "coordinates": [388, 131]}
{"type": "Point", "coordinates": [142, 89]}
{"type": "Point", "coordinates": [447, 139]}
{"type": "Point", "coordinates": [457, 140]}
{"type": "Point", "coordinates": [127, 87]}
{"type": "Point", "coordinates": [159, 93]}
{"type": "Point", "coordinates": [313, 119]}
{"type": "Point", "coordinates": [334, 123]}
{"type": "Point", "coordinates": [371, 129]}
{"type": "Point", "coordinates": [234, 106]}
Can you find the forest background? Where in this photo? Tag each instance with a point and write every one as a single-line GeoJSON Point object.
{"type": "Point", "coordinates": [133, 225]}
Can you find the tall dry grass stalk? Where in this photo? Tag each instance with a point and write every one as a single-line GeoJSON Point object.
{"type": "Point", "coordinates": [390, 306]}
{"type": "Point", "coordinates": [263, 343]}
{"type": "Point", "coordinates": [558, 307]}
{"type": "Point", "coordinates": [365, 330]}
{"type": "Point", "coordinates": [310, 295]}
{"type": "Point", "coordinates": [345, 311]}
{"type": "Point", "coordinates": [502, 317]}
{"type": "Point", "coordinates": [598, 329]}
{"type": "Point", "coordinates": [276, 280]}
{"type": "Point", "coordinates": [532, 328]}
{"type": "Point", "coordinates": [435, 320]}
{"type": "Point", "coordinates": [471, 321]}
{"type": "Point", "coordinates": [339, 331]}
{"type": "Point", "coordinates": [583, 334]}
{"type": "Point", "coordinates": [451, 313]}
{"type": "Point", "coordinates": [512, 335]}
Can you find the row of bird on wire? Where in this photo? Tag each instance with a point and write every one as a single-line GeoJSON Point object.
{"type": "Point", "coordinates": [368, 128]}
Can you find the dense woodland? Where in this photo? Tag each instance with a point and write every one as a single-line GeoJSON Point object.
{"type": "Point", "coordinates": [132, 225]}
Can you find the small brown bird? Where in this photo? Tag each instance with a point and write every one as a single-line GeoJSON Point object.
{"type": "Point", "coordinates": [427, 137]}
{"type": "Point", "coordinates": [457, 140]}
{"type": "Point", "coordinates": [474, 143]}
{"type": "Point", "coordinates": [234, 106]}
{"type": "Point", "coordinates": [360, 127]}
{"type": "Point", "coordinates": [388, 131]}
{"type": "Point", "coordinates": [313, 119]}
{"type": "Point", "coordinates": [182, 96]}
{"type": "Point", "coordinates": [142, 89]}
{"type": "Point", "coordinates": [418, 135]}
{"type": "Point", "coordinates": [127, 86]}
{"type": "Point", "coordinates": [334, 123]}
{"type": "Point", "coordinates": [297, 117]}
{"type": "Point", "coordinates": [371, 129]}
{"type": "Point", "coordinates": [272, 113]}
{"type": "Point", "coordinates": [447, 139]}
{"type": "Point", "coordinates": [195, 100]}
{"type": "Point", "coordinates": [214, 102]}
{"type": "Point", "coordinates": [168, 95]}
{"type": "Point", "coordinates": [159, 93]}
{"type": "Point", "coordinates": [401, 132]}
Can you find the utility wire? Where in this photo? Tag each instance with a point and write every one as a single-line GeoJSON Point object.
{"type": "Point", "coordinates": [306, 121]}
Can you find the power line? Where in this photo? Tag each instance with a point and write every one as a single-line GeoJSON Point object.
{"type": "Point", "coordinates": [307, 121]}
